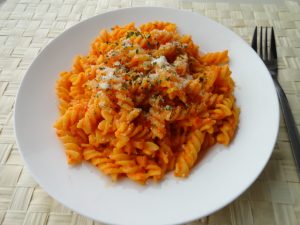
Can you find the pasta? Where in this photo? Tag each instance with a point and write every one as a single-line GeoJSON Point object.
{"type": "Point", "coordinates": [145, 102]}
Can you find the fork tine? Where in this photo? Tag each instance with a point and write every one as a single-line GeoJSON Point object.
{"type": "Point", "coordinates": [273, 52]}
{"type": "Point", "coordinates": [266, 44]}
{"type": "Point", "coordinates": [254, 39]}
{"type": "Point", "coordinates": [261, 43]}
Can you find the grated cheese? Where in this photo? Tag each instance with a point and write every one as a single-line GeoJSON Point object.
{"type": "Point", "coordinates": [109, 74]}
{"type": "Point", "coordinates": [126, 43]}
{"type": "Point", "coordinates": [185, 80]}
{"type": "Point", "coordinates": [160, 61]}
{"type": "Point", "coordinates": [153, 76]}
{"type": "Point", "coordinates": [117, 63]}
{"type": "Point", "coordinates": [104, 85]}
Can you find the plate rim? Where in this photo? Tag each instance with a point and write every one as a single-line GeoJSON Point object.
{"type": "Point", "coordinates": [80, 23]}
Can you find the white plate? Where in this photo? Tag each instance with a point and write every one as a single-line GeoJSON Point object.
{"type": "Point", "coordinates": [218, 179]}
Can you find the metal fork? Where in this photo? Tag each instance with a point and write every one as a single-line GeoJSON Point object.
{"type": "Point", "coordinates": [268, 54]}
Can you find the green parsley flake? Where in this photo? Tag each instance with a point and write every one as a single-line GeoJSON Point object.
{"type": "Point", "coordinates": [129, 34]}
{"type": "Point", "coordinates": [155, 96]}
{"type": "Point", "coordinates": [124, 86]}
{"type": "Point", "coordinates": [138, 33]}
{"type": "Point", "coordinates": [168, 107]}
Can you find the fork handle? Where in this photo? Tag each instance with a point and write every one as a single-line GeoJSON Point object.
{"type": "Point", "coordinates": [290, 124]}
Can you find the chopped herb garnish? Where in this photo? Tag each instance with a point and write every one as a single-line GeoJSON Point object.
{"type": "Point", "coordinates": [148, 44]}
{"type": "Point", "coordinates": [155, 96]}
{"type": "Point", "coordinates": [129, 34]}
{"type": "Point", "coordinates": [161, 99]}
{"type": "Point", "coordinates": [101, 68]}
{"type": "Point", "coordinates": [168, 78]}
{"type": "Point", "coordinates": [168, 107]}
{"type": "Point", "coordinates": [137, 33]}
{"type": "Point", "coordinates": [124, 86]}
{"type": "Point", "coordinates": [135, 77]}
{"type": "Point", "coordinates": [137, 51]}
{"type": "Point", "coordinates": [154, 63]}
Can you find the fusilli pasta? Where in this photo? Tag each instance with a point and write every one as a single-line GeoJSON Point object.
{"type": "Point", "coordinates": [144, 102]}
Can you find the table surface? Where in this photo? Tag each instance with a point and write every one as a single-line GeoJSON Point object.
{"type": "Point", "coordinates": [26, 26]}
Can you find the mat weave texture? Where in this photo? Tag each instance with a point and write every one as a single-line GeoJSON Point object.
{"type": "Point", "coordinates": [26, 26]}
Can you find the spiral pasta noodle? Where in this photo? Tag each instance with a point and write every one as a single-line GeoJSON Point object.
{"type": "Point", "coordinates": [145, 102]}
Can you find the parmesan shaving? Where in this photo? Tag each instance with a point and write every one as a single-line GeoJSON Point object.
{"type": "Point", "coordinates": [160, 61]}
{"type": "Point", "coordinates": [126, 43]}
{"type": "Point", "coordinates": [104, 86]}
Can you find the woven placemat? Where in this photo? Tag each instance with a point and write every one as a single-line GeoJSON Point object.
{"type": "Point", "coordinates": [26, 26]}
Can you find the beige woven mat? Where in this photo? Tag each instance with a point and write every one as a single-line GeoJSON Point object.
{"type": "Point", "coordinates": [26, 26]}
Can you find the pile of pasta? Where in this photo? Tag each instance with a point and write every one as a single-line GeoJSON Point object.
{"type": "Point", "coordinates": [144, 102]}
